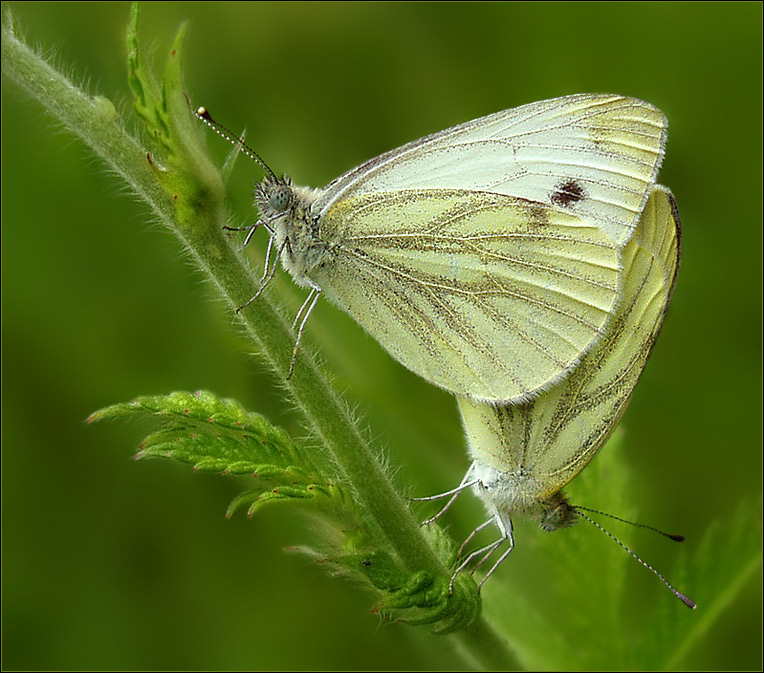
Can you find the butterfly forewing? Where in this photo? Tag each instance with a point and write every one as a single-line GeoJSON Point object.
{"type": "Point", "coordinates": [479, 293]}
{"type": "Point", "coordinates": [596, 156]}
{"type": "Point", "coordinates": [551, 439]}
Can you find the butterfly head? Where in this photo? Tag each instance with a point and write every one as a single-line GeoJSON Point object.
{"type": "Point", "coordinates": [556, 512]}
{"type": "Point", "coordinates": [274, 196]}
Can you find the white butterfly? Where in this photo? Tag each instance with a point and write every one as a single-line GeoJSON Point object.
{"type": "Point", "coordinates": [524, 454]}
{"type": "Point", "coordinates": [486, 257]}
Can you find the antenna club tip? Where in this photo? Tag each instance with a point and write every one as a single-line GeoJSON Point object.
{"type": "Point", "coordinates": [676, 538]}
{"type": "Point", "coordinates": [689, 603]}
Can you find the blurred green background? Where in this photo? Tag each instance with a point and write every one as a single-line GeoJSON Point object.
{"type": "Point", "coordinates": [113, 564]}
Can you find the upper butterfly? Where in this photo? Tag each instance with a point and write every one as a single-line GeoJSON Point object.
{"type": "Point", "coordinates": [486, 257]}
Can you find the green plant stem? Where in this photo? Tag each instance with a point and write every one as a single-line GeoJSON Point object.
{"type": "Point", "coordinates": [341, 448]}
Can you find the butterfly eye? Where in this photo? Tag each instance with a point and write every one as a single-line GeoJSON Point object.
{"type": "Point", "coordinates": [280, 198]}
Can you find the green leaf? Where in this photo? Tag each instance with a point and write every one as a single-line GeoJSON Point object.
{"type": "Point", "coordinates": [181, 164]}
{"type": "Point", "coordinates": [218, 435]}
{"type": "Point", "coordinates": [200, 426]}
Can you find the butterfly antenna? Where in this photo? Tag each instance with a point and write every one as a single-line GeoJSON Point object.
{"type": "Point", "coordinates": [675, 538]}
{"type": "Point", "coordinates": [689, 603]}
{"type": "Point", "coordinates": [231, 137]}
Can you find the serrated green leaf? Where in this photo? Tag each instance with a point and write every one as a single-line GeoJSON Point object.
{"type": "Point", "coordinates": [214, 435]}
{"type": "Point", "coordinates": [178, 159]}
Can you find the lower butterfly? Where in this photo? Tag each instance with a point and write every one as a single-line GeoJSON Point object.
{"type": "Point", "coordinates": [524, 454]}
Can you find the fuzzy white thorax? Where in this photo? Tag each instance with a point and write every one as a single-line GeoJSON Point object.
{"type": "Point", "coordinates": [286, 211]}
{"type": "Point", "coordinates": [508, 493]}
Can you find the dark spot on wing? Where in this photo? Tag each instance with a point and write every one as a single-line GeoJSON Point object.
{"type": "Point", "coordinates": [567, 194]}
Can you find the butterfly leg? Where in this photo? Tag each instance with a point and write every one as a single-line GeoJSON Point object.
{"type": "Point", "coordinates": [454, 492]}
{"type": "Point", "coordinates": [250, 232]}
{"type": "Point", "coordinates": [487, 550]}
{"type": "Point", "coordinates": [505, 528]}
{"type": "Point", "coordinates": [511, 542]}
{"type": "Point", "coordinates": [471, 535]}
{"type": "Point", "coordinates": [267, 261]}
{"type": "Point", "coordinates": [266, 278]}
{"type": "Point", "coordinates": [310, 302]}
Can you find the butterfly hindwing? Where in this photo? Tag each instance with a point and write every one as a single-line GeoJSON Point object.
{"type": "Point", "coordinates": [553, 437]}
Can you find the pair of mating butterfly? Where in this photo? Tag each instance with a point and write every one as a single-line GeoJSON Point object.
{"type": "Point", "coordinates": [523, 261]}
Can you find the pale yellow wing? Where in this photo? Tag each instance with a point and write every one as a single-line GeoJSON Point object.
{"type": "Point", "coordinates": [548, 441]}
{"type": "Point", "coordinates": [481, 294]}
{"type": "Point", "coordinates": [595, 155]}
